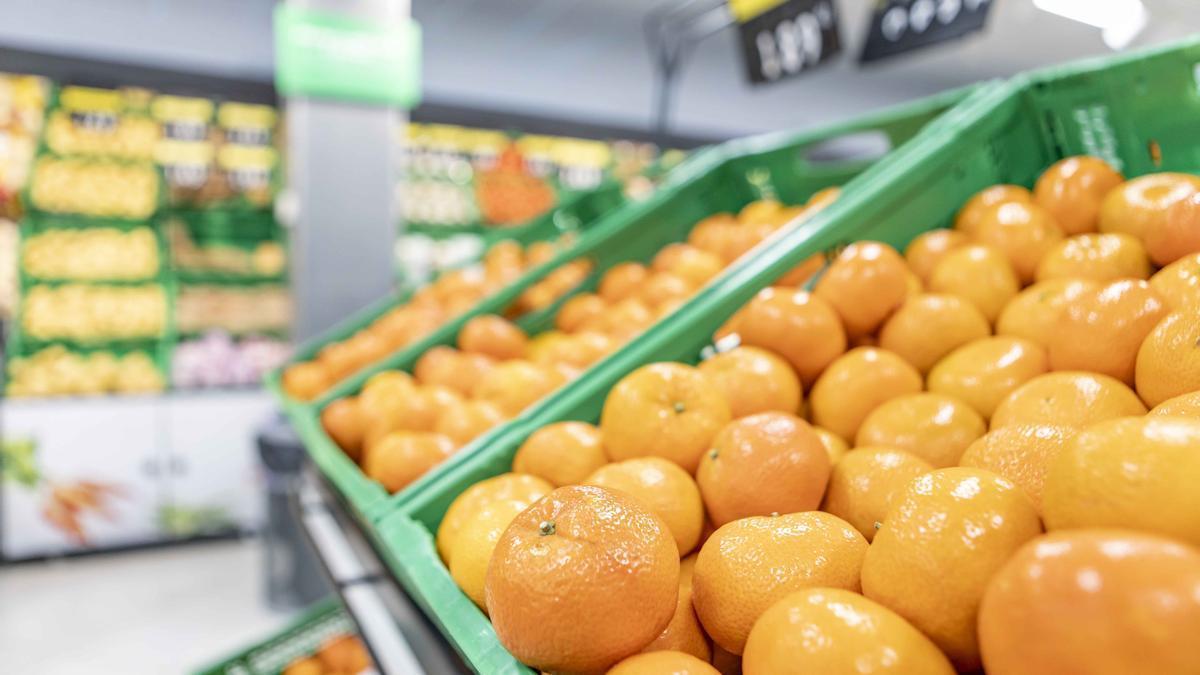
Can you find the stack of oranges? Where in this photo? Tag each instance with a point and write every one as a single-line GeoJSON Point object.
{"type": "Point", "coordinates": [401, 425]}
{"type": "Point", "coordinates": [448, 296]}
{"type": "Point", "coordinates": [341, 655]}
{"type": "Point", "coordinates": [981, 453]}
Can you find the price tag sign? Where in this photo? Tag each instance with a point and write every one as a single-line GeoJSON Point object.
{"type": "Point", "coordinates": [899, 26]}
{"type": "Point", "coordinates": [782, 39]}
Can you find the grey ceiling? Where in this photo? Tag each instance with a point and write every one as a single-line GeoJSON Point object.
{"type": "Point", "coordinates": [581, 59]}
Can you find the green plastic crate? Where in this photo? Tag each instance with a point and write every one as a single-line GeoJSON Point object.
{"type": "Point", "coordinates": [772, 166]}
{"type": "Point", "coordinates": [301, 638]}
{"type": "Point", "coordinates": [576, 214]}
{"type": "Point", "coordinates": [1004, 134]}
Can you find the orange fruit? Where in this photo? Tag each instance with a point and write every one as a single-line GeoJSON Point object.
{"type": "Point", "coordinates": [759, 211]}
{"type": "Point", "coordinates": [934, 427]}
{"type": "Point", "coordinates": [1023, 232]}
{"type": "Point", "coordinates": [711, 233]}
{"type": "Point", "coordinates": [514, 386]}
{"type": "Point", "coordinates": [858, 382]}
{"type": "Point", "coordinates": [1184, 405]}
{"type": "Point", "coordinates": [740, 239]}
{"type": "Point", "coordinates": [689, 263]}
{"type": "Point", "coordinates": [865, 284]}
{"type": "Point", "coordinates": [1072, 190]}
{"type": "Point", "coordinates": [1102, 330]}
{"type": "Point", "coordinates": [339, 359]}
{"type": "Point", "coordinates": [448, 367]}
{"type": "Point", "coordinates": [1102, 602]}
{"type": "Point", "coordinates": [417, 410]}
{"type": "Point", "coordinates": [1034, 313]}
{"type": "Point", "coordinates": [684, 633]}
{"type": "Point", "coordinates": [968, 216]}
{"type": "Point", "coordinates": [776, 453]}
{"type": "Point", "coordinates": [563, 453]}
{"type": "Point", "coordinates": [401, 457]}
{"type": "Point", "coordinates": [664, 488]}
{"type": "Point", "coordinates": [865, 482]}
{"type": "Point", "coordinates": [507, 252]}
{"type": "Point", "coordinates": [306, 380]}
{"type": "Point", "coordinates": [622, 281]}
{"type": "Point", "coordinates": [472, 549]}
{"type": "Point", "coordinates": [1177, 234]}
{"type": "Point", "coordinates": [1141, 204]}
{"type": "Point", "coordinates": [518, 486]}
{"type": "Point", "coordinates": [1021, 453]}
{"type": "Point", "coordinates": [1168, 361]}
{"type": "Point", "coordinates": [663, 287]}
{"type": "Point", "coordinates": [750, 564]}
{"type": "Point", "coordinates": [1102, 257]}
{"type": "Point", "coordinates": [924, 252]}
{"type": "Point", "coordinates": [1178, 284]}
{"type": "Point", "coordinates": [344, 654]}
{"type": "Point", "coordinates": [493, 336]}
{"type": "Point", "coordinates": [465, 422]}
{"type": "Point", "coordinates": [663, 663]}
{"type": "Point", "coordinates": [578, 350]}
{"type": "Point", "coordinates": [913, 286]}
{"type": "Point", "coordinates": [983, 372]}
{"type": "Point", "coordinates": [343, 421]}
{"type": "Point", "coordinates": [1132, 472]}
{"type": "Point", "coordinates": [944, 537]}
{"type": "Point", "coordinates": [800, 274]}
{"type": "Point", "coordinates": [384, 386]}
{"type": "Point", "coordinates": [754, 380]}
{"type": "Point", "coordinates": [305, 666]}
{"type": "Point", "coordinates": [582, 579]}
{"type": "Point", "coordinates": [622, 320]}
{"type": "Point", "coordinates": [979, 274]}
{"type": "Point", "coordinates": [824, 197]}
{"type": "Point", "coordinates": [835, 446]}
{"type": "Point", "coordinates": [664, 410]}
{"type": "Point", "coordinates": [931, 325]}
{"type": "Point", "coordinates": [539, 252]}
{"type": "Point", "coordinates": [1069, 398]}
{"type": "Point", "coordinates": [829, 630]}
{"type": "Point", "coordinates": [800, 327]}
{"type": "Point", "coordinates": [578, 310]}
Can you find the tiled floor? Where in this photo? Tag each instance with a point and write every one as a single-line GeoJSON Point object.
{"type": "Point", "coordinates": [155, 612]}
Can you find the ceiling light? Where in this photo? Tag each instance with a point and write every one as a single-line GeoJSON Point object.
{"type": "Point", "coordinates": [1120, 21]}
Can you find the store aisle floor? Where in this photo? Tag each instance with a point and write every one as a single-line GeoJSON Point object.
{"type": "Point", "coordinates": [155, 612]}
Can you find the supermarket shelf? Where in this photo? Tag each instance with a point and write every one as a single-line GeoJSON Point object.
{"type": "Point", "coordinates": [401, 639]}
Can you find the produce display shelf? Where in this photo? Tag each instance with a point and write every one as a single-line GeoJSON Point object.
{"type": "Point", "coordinates": [778, 166]}
{"type": "Point", "coordinates": [575, 215]}
{"type": "Point", "coordinates": [1137, 111]}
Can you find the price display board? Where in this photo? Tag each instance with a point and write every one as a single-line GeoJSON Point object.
{"type": "Point", "coordinates": [900, 26]}
{"type": "Point", "coordinates": [784, 38]}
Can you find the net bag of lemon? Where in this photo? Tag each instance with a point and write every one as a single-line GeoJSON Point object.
{"type": "Point", "coordinates": [966, 440]}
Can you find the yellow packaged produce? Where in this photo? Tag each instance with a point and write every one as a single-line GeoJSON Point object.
{"type": "Point", "coordinates": [57, 371]}
{"type": "Point", "coordinates": [103, 253]}
{"type": "Point", "coordinates": [81, 312]}
{"type": "Point", "coordinates": [95, 188]}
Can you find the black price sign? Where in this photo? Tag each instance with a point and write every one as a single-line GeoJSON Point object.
{"type": "Point", "coordinates": [789, 39]}
{"type": "Point", "coordinates": [899, 26]}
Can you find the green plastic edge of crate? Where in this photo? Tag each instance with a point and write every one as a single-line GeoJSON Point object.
{"type": "Point", "coordinates": [318, 612]}
{"type": "Point", "coordinates": [582, 211]}
{"type": "Point", "coordinates": [611, 238]}
{"type": "Point", "coordinates": [887, 195]}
